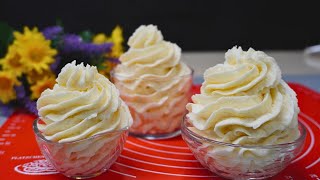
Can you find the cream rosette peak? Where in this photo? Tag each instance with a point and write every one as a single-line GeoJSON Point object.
{"type": "Point", "coordinates": [149, 56]}
{"type": "Point", "coordinates": [82, 103]}
{"type": "Point", "coordinates": [77, 77]}
{"type": "Point", "coordinates": [145, 36]}
{"type": "Point", "coordinates": [245, 101]}
{"type": "Point", "coordinates": [242, 72]}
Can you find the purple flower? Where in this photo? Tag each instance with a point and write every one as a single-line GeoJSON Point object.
{"type": "Point", "coordinates": [74, 44]}
{"type": "Point", "coordinates": [30, 105]}
{"type": "Point", "coordinates": [114, 60]}
{"type": "Point", "coordinates": [26, 102]}
{"type": "Point", "coordinates": [71, 43]}
{"type": "Point", "coordinates": [55, 65]}
{"type": "Point", "coordinates": [20, 91]}
{"type": "Point", "coordinates": [52, 32]}
{"type": "Point", "coordinates": [6, 110]}
{"type": "Point", "coordinates": [72, 39]}
{"type": "Point", "coordinates": [95, 49]}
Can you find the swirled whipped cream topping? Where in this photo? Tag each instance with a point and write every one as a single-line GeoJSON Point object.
{"type": "Point", "coordinates": [82, 103]}
{"type": "Point", "coordinates": [245, 101]}
{"type": "Point", "coordinates": [152, 80]}
{"type": "Point", "coordinates": [150, 57]}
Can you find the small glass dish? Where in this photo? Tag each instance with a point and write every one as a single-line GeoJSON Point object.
{"type": "Point", "coordinates": [84, 158]}
{"type": "Point", "coordinates": [311, 56]}
{"type": "Point", "coordinates": [254, 162]}
{"type": "Point", "coordinates": [156, 112]}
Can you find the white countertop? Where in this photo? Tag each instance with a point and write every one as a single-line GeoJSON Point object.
{"type": "Point", "coordinates": [290, 62]}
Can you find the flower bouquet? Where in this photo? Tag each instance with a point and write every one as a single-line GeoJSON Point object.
{"type": "Point", "coordinates": [30, 60]}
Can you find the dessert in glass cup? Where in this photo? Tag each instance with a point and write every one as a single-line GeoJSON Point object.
{"type": "Point", "coordinates": [155, 84]}
{"type": "Point", "coordinates": [83, 123]}
{"type": "Point", "coordinates": [244, 122]}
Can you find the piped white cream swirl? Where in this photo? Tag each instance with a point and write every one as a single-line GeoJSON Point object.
{"type": "Point", "coordinates": [82, 103]}
{"type": "Point", "coordinates": [151, 57]}
{"type": "Point", "coordinates": [244, 101]}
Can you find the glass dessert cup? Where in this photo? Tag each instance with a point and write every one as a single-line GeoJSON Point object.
{"type": "Point", "coordinates": [85, 158]}
{"type": "Point", "coordinates": [312, 56]}
{"type": "Point", "coordinates": [223, 158]}
{"type": "Point", "coordinates": [158, 113]}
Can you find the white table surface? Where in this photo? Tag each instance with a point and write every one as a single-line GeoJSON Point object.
{"type": "Point", "coordinates": [292, 64]}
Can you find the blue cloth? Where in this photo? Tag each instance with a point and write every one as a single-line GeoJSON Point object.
{"type": "Point", "coordinates": [311, 81]}
{"type": "Point", "coordinates": [5, 112]}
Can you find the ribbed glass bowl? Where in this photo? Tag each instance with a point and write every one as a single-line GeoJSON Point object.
{"type": "Point", "coordinates": [157, 105]}
{"type": "Point", "coordinates": [84, 158]}
{"type": "Point", "coordinates": [233, 161]}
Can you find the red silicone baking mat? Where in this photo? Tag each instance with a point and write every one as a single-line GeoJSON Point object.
{"type": "Point", "coordinates": [20, 157]}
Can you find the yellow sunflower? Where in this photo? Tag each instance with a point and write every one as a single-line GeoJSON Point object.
{"type": "Point", "coordinates": [11, 62]}
{"type": "Point", "coordinates": [27, 33]}
{"type": "Point", "coordinates": [116, 38]}
{"type": "Point", "coordinates": [116, 35]}
{"type": "Point", "coordinates": [34, 49]}
{"type": "Point", "coordinates": [8, 81]}
{"type": "Point", "coordinates": [33, 76]}
{"type": "Point", "coordinates": [41, 85]}
{"type": "Point", "coordinates": [100, 38]}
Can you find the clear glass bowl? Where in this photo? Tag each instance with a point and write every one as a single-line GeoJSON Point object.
{"type": "Point", "coordinates": [312, 56]}
{"type": "Point", "coordinates": [157, 105]}
{"type": "Point", "coordinates": [82, 158]}
{"type": "Point", "coordinates": [241, 161]}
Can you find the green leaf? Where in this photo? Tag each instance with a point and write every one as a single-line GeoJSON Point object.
{"type": "Point", "coordinates": [86, 36]}
{"type": "Point", "coordinates": [59, 22]}
{"type": "Point", "coordinates": [6, 37]}
{"type": "Point", "coordinates": [55, 43]}
{"type": "Point", "coordinates": [100, 66]}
